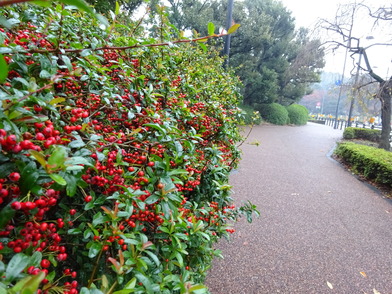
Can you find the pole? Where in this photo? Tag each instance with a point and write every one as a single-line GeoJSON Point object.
{"type": "Point", "coordinates": [226, 50]}
{"type": "Point", "coordinates": [356, 84]}
{"type": "Point", "coordinates": [341, 85]}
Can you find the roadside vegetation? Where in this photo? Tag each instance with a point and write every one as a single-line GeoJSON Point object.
{"type": "Point", "coordinates": [115, 151]}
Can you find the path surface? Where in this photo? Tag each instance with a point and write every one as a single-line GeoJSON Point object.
{"type": "Point", "coordinates": [320, 227]}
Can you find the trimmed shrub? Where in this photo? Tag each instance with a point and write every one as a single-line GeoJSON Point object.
{"type": "Point", "coordinates": [298, 114]}
{"type": "Point", "coordinates": [349, 134]}
{"type": "Point", "coordinates": [373, 163]}
{"type": "Point", "coordinates": [360, 133]}
{"type": "Point", "coordinates": [273, 113]}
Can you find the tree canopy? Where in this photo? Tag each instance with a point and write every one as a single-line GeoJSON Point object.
{"type": "Point", "coordinates": [275, 62]}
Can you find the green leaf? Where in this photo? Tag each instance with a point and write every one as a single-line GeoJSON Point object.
{"type": "Point", "coordinates": [33, 283]}
{"type": "Point", "coordinates": [72, 184]}
{"type": "Point", "coordinates": [58, 179]}
{"type": "Point", "coordinates": [57, 159]}
{"type": "Point", "coordinates": [153, 257]}
{"type": "Point", "coordinates": [99, 218]}
{"type": "Point", "coordinates": [85, 7]}
{"type": "Point", "coordinates": [39, 157]}
{"type": "Point", "coordinates": [117, 11]}
{"type": "Point", "coordinates": [203, 46]}
{"type": "Point", "coordinates": [16, 265]}
{"type": "Point", "coordinates": [6, 168]}
{"type": "Point", "coordinates": [94, 249]}
{"type": "Point", "coordinates": [29, 177]}
{"type": "Point", "coordinates": [233, 28]}
{"type": "Point", "coordinates": [131, 284]}
{"type": "Point", "coordinates": [124, 291]}
{"type": "Point", "coordinates": [6, 213]}
{"type": "Point", "coordinates": [146, 282]}
{"type": "Point", "coordinates": [77, 143]}
{"type": "Point", "coordinates": [3, 69]}
{"type": "Point", "coordinates": [196, 287]}
{"type": "Point", "coordinates": [75, 231]}
{"type": "Point", "coordinates": [211, 28]}
{"type": "Point", "coordinates": [157, 127]}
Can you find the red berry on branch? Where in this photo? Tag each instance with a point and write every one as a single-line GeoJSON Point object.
{"type": "Point", "coordinates": [88, 198]}
{"type": "Point", "coordinates": [45, 263]}
{"type": "Point", "coordinates": [16, 205]}
{"type": "Point", "coordinates": [14, 177]}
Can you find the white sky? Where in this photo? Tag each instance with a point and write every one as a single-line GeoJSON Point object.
{"type": "Point", "coordinates": [307, 12]}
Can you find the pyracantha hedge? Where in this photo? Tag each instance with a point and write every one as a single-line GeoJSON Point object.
{"type": "Point", "coordinates": [114, 162]}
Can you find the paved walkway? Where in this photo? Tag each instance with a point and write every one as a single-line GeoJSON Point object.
{"type": "Point", "coordinates": [320, 227]}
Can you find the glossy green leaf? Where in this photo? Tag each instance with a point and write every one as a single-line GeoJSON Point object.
{"type": "Point", "coordinates": [58, 179]}
{"type": "Point", "coordinates": [39, 157]}
{"type": "Point", "coordinates": [57, 159]}
{"type": "Point", "coordinates": [211, 28]}
{"type": "Point", "coordinates": [6, 213]}
{"type": "Point", "coordinates": [94, 249]}
{"type": "Point", "coordinates": [16, 265]}
{"type": "Point", "coordinates": [3, 69]}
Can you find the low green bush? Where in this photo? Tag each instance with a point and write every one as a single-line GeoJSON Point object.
{"type": "Point", "coordinates": [374, 163]}
{"type": "Point", "coordinates": [360, 133]}
{"type": "Point", "coordinates": [298, 114]}
{"type": "Point", "coordinates": [273, 113]}
{"type": "Point", "coordinates": [349, 133]}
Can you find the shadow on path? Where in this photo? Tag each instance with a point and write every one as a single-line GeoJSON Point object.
{"type": "Point", "coordinates": [319, 227]}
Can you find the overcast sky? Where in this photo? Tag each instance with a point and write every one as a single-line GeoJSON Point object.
{"type": "Point", "coordinates": [307, 12]}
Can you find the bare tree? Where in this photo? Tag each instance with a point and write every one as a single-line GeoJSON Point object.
{"type": "Point", "coordinates": [343, 28]}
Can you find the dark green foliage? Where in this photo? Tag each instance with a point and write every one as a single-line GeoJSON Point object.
{"type": "Point", "coordinates": [104, 6]}
{"type": "Point", "coordinates": [349, 133]}
{"type": "Point", "coordinates": [374, 163]}
{"type": "Point", "coordinates": [364, 134]}
{"type": "Point", "coordinates": [321, 122]}
{"type": "Point", "coordinates": [273, 113]}
{"type": "Point", "coordinates": [275, 62]}
{"type": "Point", "coordinates": [298, 114]}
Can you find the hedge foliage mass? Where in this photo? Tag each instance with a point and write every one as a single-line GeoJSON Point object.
{"type": "Point", "coordinates": [114, 162]}
{"type": "Point", "coordinates": [298, 114]}
{"type": "Point", "coordinates": [374, 163]}
{"type": "Point", "coordinates": [361, 133]}
{"type": "Point", "coordinates": [273, 113]}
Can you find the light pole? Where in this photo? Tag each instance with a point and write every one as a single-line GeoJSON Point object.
{"type": "Point", "coordinates": [341, 85]}
{"type": "Point", "coordinates": [226, 50]}
{"type": "Point", "coordinates": [356, 85]}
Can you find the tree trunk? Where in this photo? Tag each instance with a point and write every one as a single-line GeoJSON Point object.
{"type": "Point", "coordinates": [385, 96]}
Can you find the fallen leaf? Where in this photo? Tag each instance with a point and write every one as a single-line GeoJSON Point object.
{"type": "Point", "coordinates": [375, 291]}
{"type": "Point", "coordinates": [363, 274]}
{"type": "Point", "coordinates": [329, 285]}
{"type": "Point", "coordinates": [387, 211]}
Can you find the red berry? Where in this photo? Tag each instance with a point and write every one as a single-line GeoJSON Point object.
{"type": "Point", "coordinates": [14, 177]}
{"type": "Point", "coordinates": [45, 263]}
{"type": "Point", "coordinates": [88, 198]}
{"type": "Point", "coordinates": [16, 205]}
{"type": "Point", "coordinates": [72, 212]}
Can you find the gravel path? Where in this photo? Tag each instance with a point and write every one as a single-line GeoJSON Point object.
{"type": "Point", "coordinates": [321, 230]}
